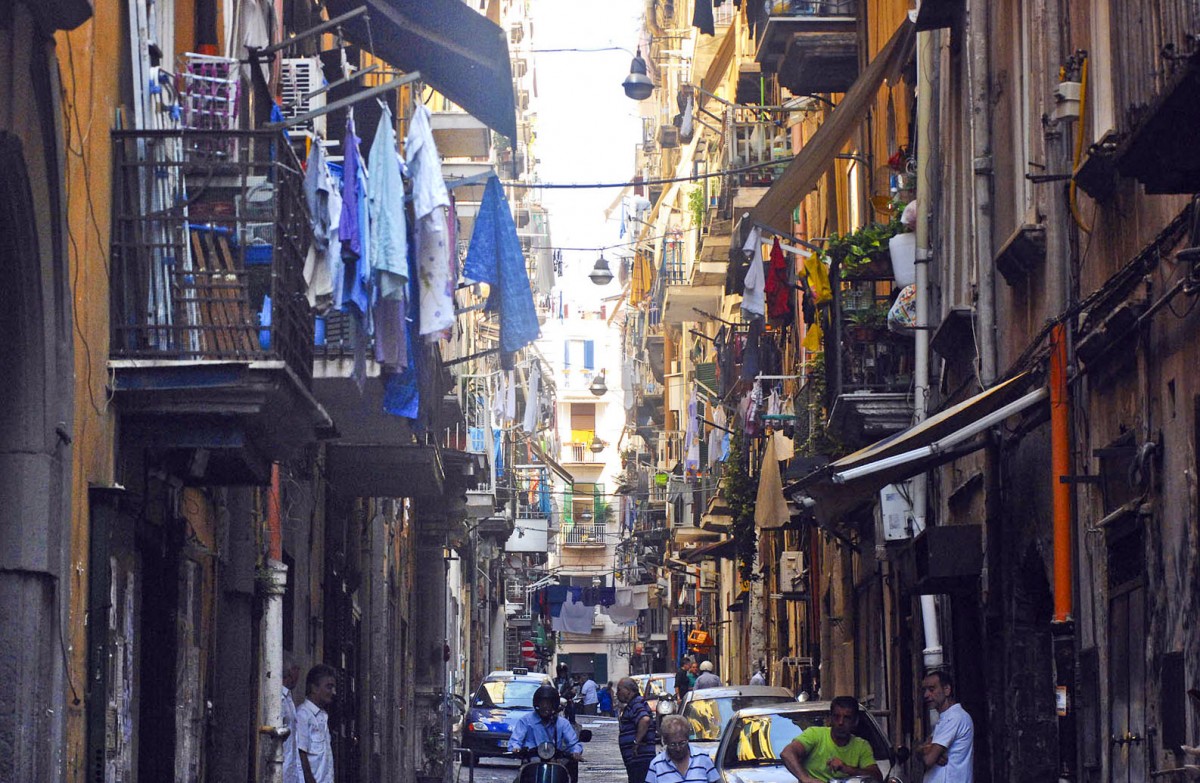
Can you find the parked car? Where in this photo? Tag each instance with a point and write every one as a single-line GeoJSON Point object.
{"type": "Point", "coordinates": [491, 712]}
{"type": "Point", "coordinates": [709, 710]}
{"type": "Point", "coordinates": [652, 686]}
{"type": "Point", "coordinates": [753, 740]}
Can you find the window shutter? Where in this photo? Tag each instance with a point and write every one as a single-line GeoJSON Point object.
{"type": "Point", "coordinates": [566, 354]}
{"type": "Point", "coordinates": [589, 354]}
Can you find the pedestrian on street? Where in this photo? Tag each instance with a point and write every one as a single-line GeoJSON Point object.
{"type": "Point", "coordinates": [677, 763]}
{"type": "Point", "coordinates": [312, 724]}
{"type": "Point", "coordinates": [693, 671]}
{"type": "Point", "coordinates": [591, 699]}
{"type": "Point", "coordinates": [606, 699]}
{"type": "Point", "coordinates": [638, 738]}
{"type": "Point", "coordinates": [949, 755]}
{"type": "Point", "coordinates": [566, 690]}
{"type": "Point", "coordinates": [543, 724]}
{"type": "Point", "coordinates": [822, 753]}
{"type": "Point", "coordinates": [292, 771]}
{"type": "Point", "coordinates": [707, 679]}
{"type": "Point", "coordinates": [683, 683]}
{"type": "Point", "coordinates": [758, 676]}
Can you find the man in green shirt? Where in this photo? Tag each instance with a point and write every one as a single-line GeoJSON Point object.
{"type": "Point", "coordinates": [823, 753]}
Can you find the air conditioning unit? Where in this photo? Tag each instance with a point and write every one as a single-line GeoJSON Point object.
{"type": "Point", "coordinates": [895, 513]}
{"type": "Point", "coordinates": [793, 578]}
{"type": "Point", "coordinates": [668, 137]}
{"type": "Point", "coordinates": [298, 77]}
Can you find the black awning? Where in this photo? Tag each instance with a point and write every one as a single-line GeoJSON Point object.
{"type": "Point", "coordinates": [844, 485]}
{"type": "Point", "coordinates": [459, 52]}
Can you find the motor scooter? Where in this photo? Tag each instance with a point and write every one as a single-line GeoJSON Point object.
{"type": "Point", "coordinates": [666, 706]}
{"type": "Point", "coordinates": [546, 763]}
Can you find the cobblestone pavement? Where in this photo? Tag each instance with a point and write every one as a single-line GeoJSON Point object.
{"type": "Point", "coordinates": [601, 758]}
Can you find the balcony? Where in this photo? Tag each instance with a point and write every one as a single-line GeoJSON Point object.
{"type": "Point", "coordinates": [814, 48]}
{"type": "Point", "coordinates": [587, 534]}
{"type": "Point", "coordinates": [459, 135]}
{"type": "Point", "coordinates": [211, 340]}
{"type": "Point", "coordinates": [580, 454]}
{"type": "Point", "coordinates": [870, 380]}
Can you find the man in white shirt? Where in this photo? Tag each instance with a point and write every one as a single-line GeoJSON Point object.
{"type": "Point", "coordinates": [591, 698]}
{"type": "Point", "coordinates": [312, 725]}
{"type": "Point", "coordinates": [949, 753]}
{"type": "Point", "coordinates": [707, 679]}
{"type": "Point", "coordinates": [292, 773]}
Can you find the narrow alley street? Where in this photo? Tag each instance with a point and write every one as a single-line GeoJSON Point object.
{"type": "Point", "coordinates": [376, 369]}
{"type": "Point", "coordinates": [601, 758]}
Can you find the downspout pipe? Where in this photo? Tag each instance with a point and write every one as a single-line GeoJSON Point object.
{"type": "Point", "coordinates": [980, 120]}
{"type": "Point", "coordinates": [932, 653]}
{"type": "Point", "coordinates": [1060, 460]}
{"type": "Point", "coordinates": [271, 663]}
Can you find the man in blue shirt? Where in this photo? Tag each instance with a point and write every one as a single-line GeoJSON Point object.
{"type": "Point", "coordinates": [678, 764]}
{"type": "Point", "coordinates": [544, 725]}
{"type": "Point", "coordinates": [638, 735]}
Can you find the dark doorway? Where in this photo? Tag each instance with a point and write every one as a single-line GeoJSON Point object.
{"type": "Point", "coordinates": [1127, 662]}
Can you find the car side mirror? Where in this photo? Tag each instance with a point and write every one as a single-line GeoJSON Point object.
{"type": "Point", "coordinates": [902, 754]}
{"type": "Point", "coordinates": [585, 735]}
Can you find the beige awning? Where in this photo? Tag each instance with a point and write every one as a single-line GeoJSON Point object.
{"type": "Point", "coordinates": [805, 170]}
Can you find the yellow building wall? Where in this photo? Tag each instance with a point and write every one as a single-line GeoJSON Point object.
{"type": "Point", "coordinates": [89, 60]}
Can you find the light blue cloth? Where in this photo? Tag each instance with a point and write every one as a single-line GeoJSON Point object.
{"type": "Point", "coordinates": [495, 258]}
{"type": "Point", "coordinates": [389, 243]}
{"type": "Point", "coordinates": [528, 731]}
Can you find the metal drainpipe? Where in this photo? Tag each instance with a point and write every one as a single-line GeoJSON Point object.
{"type": "Point", "coordinates": [980, 118]}
{"type": "Point", "coordinates": [271, 664]}
{"type": "Point", "coordinates": [932, 654]}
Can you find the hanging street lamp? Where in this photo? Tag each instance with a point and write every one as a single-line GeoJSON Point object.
{"type": "Point", "coordinates": [637, 84]}
{"type": "Point", "coordinates": [601, 274]}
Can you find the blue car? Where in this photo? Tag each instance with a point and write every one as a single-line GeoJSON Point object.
{"type": "Point", "coordinates": [500, 700]}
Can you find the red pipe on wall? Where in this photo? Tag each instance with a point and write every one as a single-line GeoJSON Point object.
{"type": "Point", "coordinates": [1060, 467]}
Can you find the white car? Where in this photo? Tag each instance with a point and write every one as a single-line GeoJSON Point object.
{"type": "Point", "coordinates": [753, 740]}
{"type": "Point", "coordinates": [709, 710]}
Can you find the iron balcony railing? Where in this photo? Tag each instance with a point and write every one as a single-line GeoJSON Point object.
{"type": "Point", "coordinates": [587, 534]}
{"type": "Point", "coordinates": [209, 237]}
{"type": "Point", "coordinates": [814, 8]}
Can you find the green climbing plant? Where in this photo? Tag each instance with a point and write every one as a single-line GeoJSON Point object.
{"type": "Point", "coordinates": [819, 440]}
{"type": "Point", "coordinates": [697, 206]}
{"type": "Point", "coordinates": [741, 491]}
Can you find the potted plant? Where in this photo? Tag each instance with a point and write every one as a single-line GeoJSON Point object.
{"type": "Point", "coordinates": [864, 252]}
{"type": "Point", "coordinates": [864, 325]}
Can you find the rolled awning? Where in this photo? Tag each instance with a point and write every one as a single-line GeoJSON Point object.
{"type": "Point", "coordinates": [459, 52]}
{"type": "Point", "coordinates": [806, 169]}
{"type": "Point", "coordinates": [843, 485]}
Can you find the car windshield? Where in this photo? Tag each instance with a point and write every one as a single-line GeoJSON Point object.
{"type": "Point", "coordinates": [659, 685]}
{"type": "Point", "coordinates": [709, 716]}
{"type": "Point", "coordinates": [757, 740]}
{"type": "Point", "coordinates": [507, 694]}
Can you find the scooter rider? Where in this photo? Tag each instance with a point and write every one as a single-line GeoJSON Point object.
{"type": "Point", "coordinates": [543, 724]}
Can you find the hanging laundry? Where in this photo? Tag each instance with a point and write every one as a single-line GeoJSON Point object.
{"type": "Point", "coordinates": [431, 201]}
{"type": "Point", "coordinates": [770, 507]}
{"type": "Point", "coordinates": [510, 396]}
{"type": "Point", "coordinates": [574, 617]}
{"type": "Point", "coordinates": [389, 241]}
{"type": "Point", "coordinates": [352, 221]}
{"type": "Point", "coordinates": [716, 435]}
{"type": "Point", "coordinates": [784, 447]}
{"type": "Point", "coordinates": [533, 400]}
{"type": "Point", "coordinates": [777, 288]}
{"type": "Point", "coordinates": [702, 17]}
{"type": "Point", "coordinates": [817, 275]}
{"type": "Point", "coordinates": [319, 191]}
{"type": "Point", "coordinates": [754, 293]}
{"type": "Point", "coordinates": [691, 439]}
{"type": "Point", "coordinates": [495, 257]}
